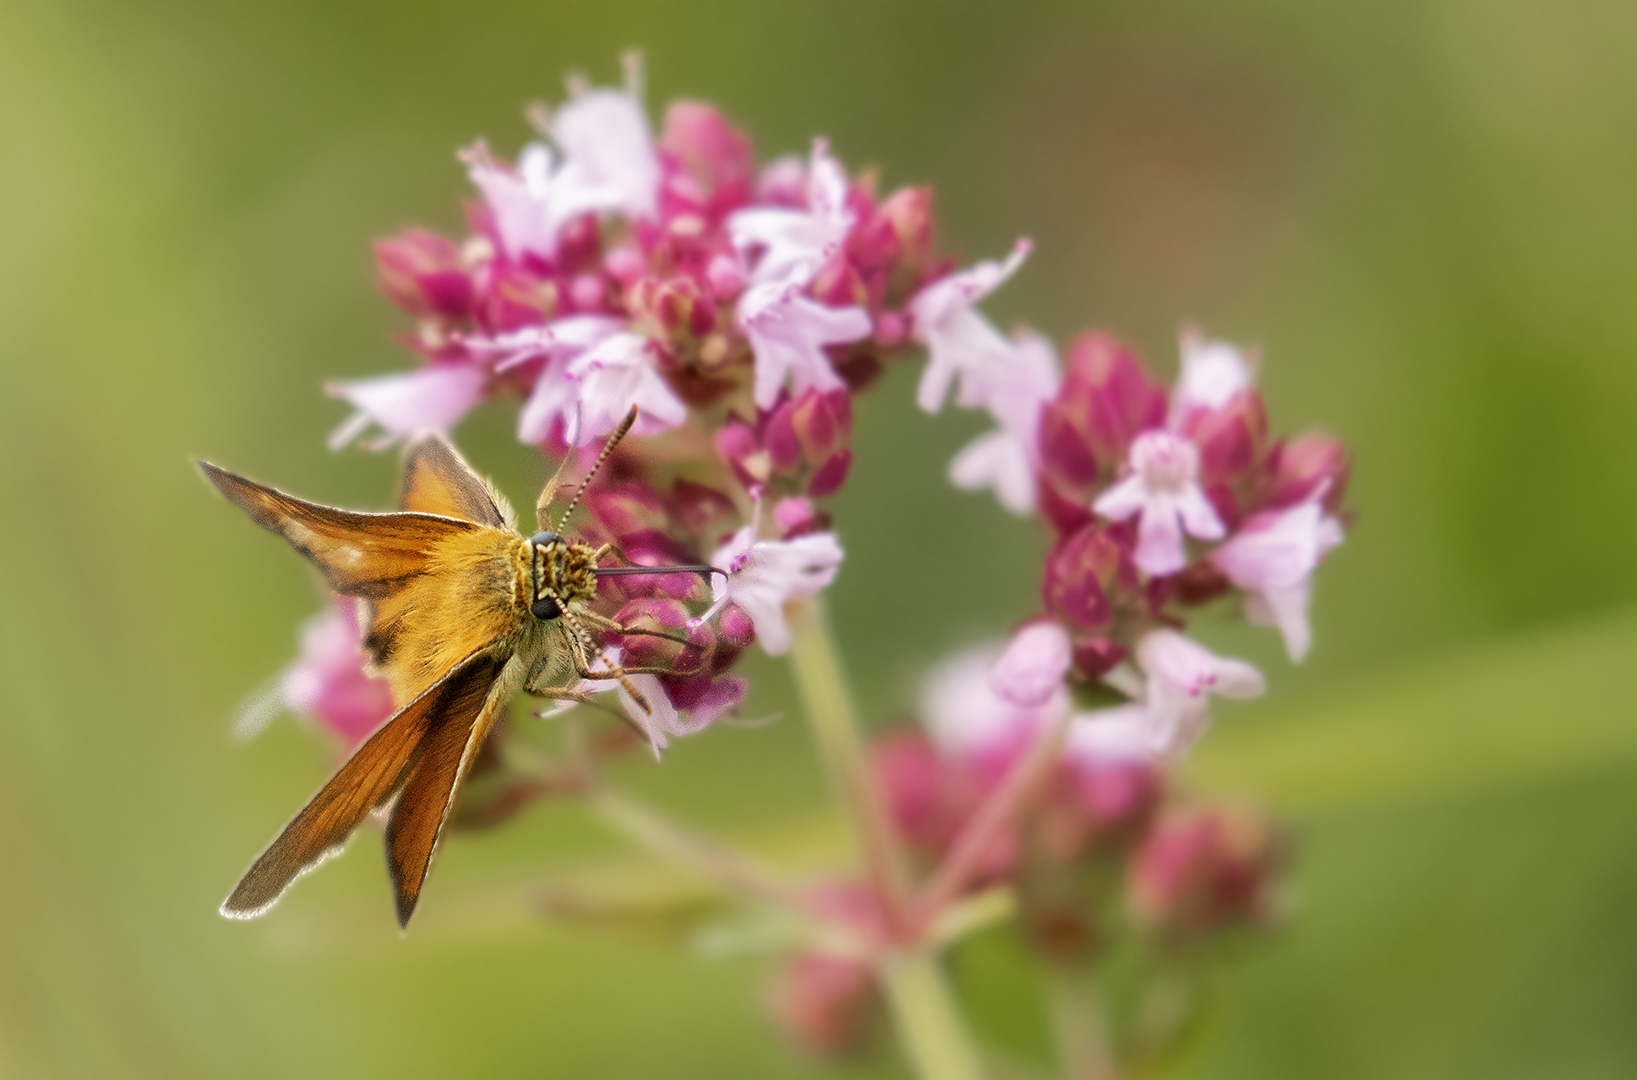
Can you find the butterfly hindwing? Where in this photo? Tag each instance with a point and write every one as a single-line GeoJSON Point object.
{"type": "Point", "coordinates": [430, 788]}
{"type": "Point", "coordinates": [368, 780]}
{"type": "Point", "coordinates": [438, 481]}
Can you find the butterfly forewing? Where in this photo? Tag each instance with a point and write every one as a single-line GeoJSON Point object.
{"type": "Point", "coordinates": [366, 782]}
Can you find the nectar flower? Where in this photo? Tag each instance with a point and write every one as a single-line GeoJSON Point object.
{"type": "Point", "coordinates": [794, 243]}
{"type": "Point", "coordinates": [1213, 373]}
{"type": "Point", "coordinates": [959, 341]}
{"type": "Point", "coordinates": [1163, 488]}
{"type": "Point", "coordinates": [608, 150]}
{"type": "Point", "coordinates": [614, 375]}
{"type": "Point", "coordinates": [1007, 459]}
{"type": "Point", "coordinates": [788, 333]}
{"type": "Point", "coordinates": [431, 399]}
{"type": "Point", "coordinates": [764, 575]}
{"type": "Point", "coordinates": [1272, 557]}
{"type": "Point", "coordinates": [1180, 675]}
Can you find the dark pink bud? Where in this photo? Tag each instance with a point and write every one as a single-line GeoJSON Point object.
{"type": "Point", "coordinates": [661, 613]}
{"type": "Point", "coordinates": [823, 423]}
{"type": "Point", "coordinates": [651, 547]}
{"type": "Point", "coordinates": [726, 278]}
{"type": "Point", "coordinates": [734, 633]}
{"type": "Point", "coordinates": [1119, 798]}
{"type": "Point", "coordinates": [421, 272]}
{"type": "Point", "coordinates": [828, 478]}
{"type": "Point", "coordinates": [1106, 400]}
{"type": "Point", "coordinates": [1087, 577]}
{"type": "Point", "coordinates": [629, 508]}
{"type": "Point", "coordinates": [743, 451]}
{"type": "Point", "coordinates": [1205, 869]}
{"type": "Point", "coordinates": [700, 508]}
{"type": "Point", "coordinates": [587, 291]}
{"type": "Point", "coordinates": [1096, 657]}
{"type": "Point", "coordinates": [921, 791]}
{"type": "Point", "coordinates": [827, 1004]}
{"type": "Point", "coordinates": [1305, 464]}
{"type": "Point", "coordinates": [714, 153]}
{"type": "Point", "coordinates": [1232, 442]}
{"type": "Point", "coordinates": [889, 329]}
{"type": "Point", "coordinates": [783, 447]}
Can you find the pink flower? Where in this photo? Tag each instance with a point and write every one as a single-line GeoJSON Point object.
{"type": "Point", "coordinates": [1272, 557]}
{"type": "Point", "coordinates": [556, 394]}
{"type": "Point", "coordinates": [327, 682]}
{"type": "Point", "coordinates": [528, 208]}
{"type": "Point", "coordinates": [959, 341]}
{"type": "Point", "coordinates": [1163, 487]}
{"type": "Point", "coordinates": [1030, 672]}
{"type": "Point", "coordinates": [431, 399]}
{"type": "Point", "coordinates": [1213, 374]}
{"type": "Point", "coordinates": [608, 150]}
{"type": "Point", "coordinates": [969, 718]}
{"type": "Point", "coordinates": [826, 1003]}
{"type": "Point", "coordinates": [1008, 458]}
{"type": "Point", "coordinates": [614, 375]}
{"type": "Point", "coordinates": [1180, 675]}
{"type": "Point", "coordinates": [793, 243]}
{"type": "Point", "coordinates": [764, 575]}
{"type": "Point", "coordinates": [788, 333]}
{"type": "Point", "coordinates": [1203, 869]}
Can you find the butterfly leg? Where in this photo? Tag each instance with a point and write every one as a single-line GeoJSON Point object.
{"type": "Point", "coordinates": [601, 622]}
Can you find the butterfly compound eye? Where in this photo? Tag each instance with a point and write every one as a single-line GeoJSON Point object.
{"type": "Point", "coordinates": [545, 608]}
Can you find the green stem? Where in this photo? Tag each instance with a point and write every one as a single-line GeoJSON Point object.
{"type": "Point", "coordinates": [922, 1004]}
{"type": "Point", "coordinates": [1084, 1049]}
{"type": "Point", "coordinates": [835, 726]}
{"type": "Point", "coordinates": [924, 1008]}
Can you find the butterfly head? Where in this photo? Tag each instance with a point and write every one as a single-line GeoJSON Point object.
{"type": "Point", "coordinates": [561, 573]}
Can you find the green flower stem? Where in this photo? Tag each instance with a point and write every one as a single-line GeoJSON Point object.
{"type": "Point", "coordinates": [922, 1004]}
{"type": "Point", "coordinates": [924, 1008]}
{"type": "Point", "coordinates": [973, 846]}
{"type": "Point", "coordinates": [665, 838]}
{"type": "Point", "coordinates": [835, 727]}
{"type": "Point", "coordinates": [1079, 1026]}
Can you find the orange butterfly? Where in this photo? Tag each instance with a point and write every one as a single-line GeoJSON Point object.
{"type": "Point", "coordinates": [458, 611]}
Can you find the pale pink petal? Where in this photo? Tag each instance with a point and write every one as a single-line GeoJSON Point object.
{"type": "Point", "coordinates": [1159, 538]}
{"type": "Point", "coordinates": [1198, 516]}
{"type": "Point", "coordinates": [997, 461]}
{"type": "Point", "coordinates": [1031, 670]}
{"type": "Point", "coordinates": [520, 200]}
{"type": "Point", "coordinates": [615, 374]}
{"type": "Point", "coordinates": [1108, 736]}
{"type": "Point", "coordinates": [1123, 501]}
{"type": "Point", "coordinates": [959, 341]}
{"type": "Point", "coordinates": [1285, 607]}
{"type": "Point", "coordinates": [431, 399]}
{"type": "Point", "coordinates": [964, 715]}
{"type": "Point", "coordinates": [785, 244]}
{"type": "Point", "coordinates": [1213, 372]}
{"type": "Point", "coordinates": [608, 150]}
{"type": "Point", "coordinates": [788, 333]}
{"type": "Point", "coordinates": [764, 575]}
{"type": "Point", "coordinates": [1180, 675]}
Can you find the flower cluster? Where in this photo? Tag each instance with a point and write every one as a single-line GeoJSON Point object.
{"type": "Point", "coordinates": [737, 307]}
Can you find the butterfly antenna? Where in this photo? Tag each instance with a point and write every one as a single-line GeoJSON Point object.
{"type": "Point", "coordinates": [608, 448]}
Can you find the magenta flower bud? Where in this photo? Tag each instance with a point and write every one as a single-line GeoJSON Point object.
{"type": "Point", "coordinates": [796, 516]}
{"type": "Point", "coordinates": [651, 547]}
{"type": "Point", "coordinates": [826, 1004]}
{"type": "Point", "coordinates": [1105, 401]}
{"type": "Point", "coordinates": [1205, 870]}
{"type": "Point", "coordinates": [735, 630]}
{"type": "Point", "coordinates": [1086, 577]}
{"type": "Point", "coordinates": [1305, 465]}
{"type": "Point", "coordinates": [625, 262]}
{"type": "Point", "coordinates": [421, 272]}
{"type": "Point", "coordinates": [715, 154]}
{"type": "Point", "coordinates": [726, 277]}
{"type": "Point", "coordinates": [662, 613]}
{"type": "Point", "coordinates": [783, 447]}
{"type": "Point", "coordinates": [736, 441]}
{"type": "Point", "coordinates": [890, 329]}
{"type": "Point", "coordinates": [909, 212]}
{"type": "Point", "coordinates": [927, 796]}
{"type": "Point", "coordinates": [1097, 657]}
{"type": "Point", "coordinates": [702, 509]}
{"type": "Point", "coordinates": [1233, 446]}
{"type": "Point", "coordinates": [629, 508]}
{"type": "Point", "coordinates": [588, 291]}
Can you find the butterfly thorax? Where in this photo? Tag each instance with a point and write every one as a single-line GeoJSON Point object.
{"type": "Point", "coordinates": [563, 573]}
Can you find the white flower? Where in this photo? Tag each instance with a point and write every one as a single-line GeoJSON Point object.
{"type": "Point", "coordinates": [1104, 736]}
{"type": "Point", "coordinates": [1180, 674]}
{"type": "Point", "coordinates": [1213, 372]}
{"type": "Point", "coordinates": [614, 375]}
{"type": "Point", "coordinates": [1272, 557]}
{"type": "Point", "coordinates": [1006, 459]}
{"type": "Point", "coordinates": [764, 575]}
{"type": "Point", "coordinates": [528, 209]}
{"type": "Point", "coordinates": [431, 399]}
{"type": "Point", "coordinates": [794, 244]}
{"type": "Point", "coordinates": [608, 151]}
{"type": "Point", "coordinates": [958, 339]}
{"type": "Point", "coordinates": [1163, 487]}
{"type": "Point", "coordinates": [788, 332]}
{"type": "Point", "coordinates": [1030, 671]}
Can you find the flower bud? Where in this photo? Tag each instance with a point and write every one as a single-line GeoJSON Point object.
{"type": "Point", "coordinates": [1305, 464]}
{"type": "Point", "coordinates": [628, 508]}
{"type": "Point", "coordinates": [736, 441]}
{"type": "Point", "coordinates": [714, 153]}
{"type": "Point", "coordinates": [669, 615]}
{"type": "Point", "coordinates": [925, 796]}
{"type": "Point", "coordinates": [908, 212]}
{"type": "Point", "coordinates": [827, 1004]}
{"type": "Point", "coordinates": [1089, 576]}
{"type": "Point", "coordinates": [1203, 870]}
{"type": "Point", "coordinates": [422, 273]}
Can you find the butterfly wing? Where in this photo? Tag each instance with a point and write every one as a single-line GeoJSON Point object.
{"type": "Point", "coordinates": [433, 588]}
{"type": "Point", "coordinates": [384, 765]}
{"type": "Point", "coordinates": [429, 791]}
{"type": "Point", "coordinates": [438, 481]}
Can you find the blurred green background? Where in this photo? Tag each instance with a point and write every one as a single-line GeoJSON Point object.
{"type": "Point", "coordinates": [1425, 213]}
